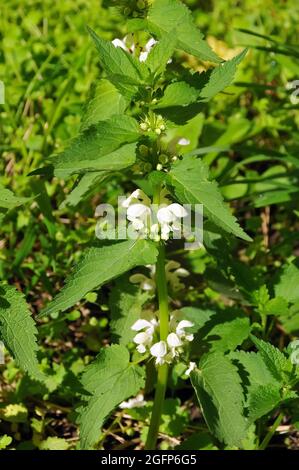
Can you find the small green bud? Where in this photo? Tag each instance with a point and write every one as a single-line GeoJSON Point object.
{"type": "Point", "coordinates": [158, 131]}
{"type": "Point", "coordinates": [141, 4]}
{"type": "Point", "coordinates": [144, 151]}
{"type": "Point", "coordinates": [163, 158]}
{"type": "Point", "coordinates": [159, 167]}
{"type": "Point", "coordinates": [147, 167]}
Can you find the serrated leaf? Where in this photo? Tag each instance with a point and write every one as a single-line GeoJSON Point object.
{"type": "Point", "coordinates": [109, 380]}
{"type": "Point", "coordinates": [161, 53]}
{"type": "Point", "coordinates": [200, 87]}
{"type": "Point", "coordinates": [262, 390]}
{"type": "Point", "coordinates": [98, 265]}
{"type": "Point", "coordinates": [219, 392]}
{"type": "Point", "coordinates": [220, 331]}
{"type": "Point", "coordinates": [123, 69]}
{"type": "Point", "coordinates": [189, 180]}
{"type": "Point", "coordinates": [278, 364]}
{"type": "Point", "coordinates": [126, 301]}
{"type": "Point", "coordinates": [177, 94]}
{"type": "Point", "coordinates": [220, 77]}
{"type": "Point", "coordinates": [287, 287]}
{"type": "Point", "coordinates": [167, 15]}
{"type": "Point", "coordinates": [84, 188]}
{"type": "Point", "coordinates": [106, 102]}
{"type": "Point", "coordinates": [18, 331]}
{"type": "Point", "coordinates": [100, 147]}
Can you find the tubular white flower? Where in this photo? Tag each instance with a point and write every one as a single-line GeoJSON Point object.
{"type": "Point", "coordinates": [120, 43]}
{"type": "Point", "coordinates": [191, 367]}
{"type": "Point", "coordinates": [177, 210]}
{"type": "Point", "coordinates": [147, 48]}
{"type": "Point", "coordinates": [159, 351]}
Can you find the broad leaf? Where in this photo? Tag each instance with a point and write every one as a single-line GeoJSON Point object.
{"type": "Point", "coordinates": [278, 364]}
{"type": "Point", "coordinates": [189, 180]}
{"type": "Point", "coordinates": [18, 331]}
{"type": "Point", "coordinates": [219, 392]}
{"type": "Point", "coordinates": [177, 94]}
{"type": "Point", "coordinates": [126, 302]}
{"type": "Point", "coordinates": [161, 53]}
{"type": "Point", "coordinates": [221, 330]}
{"type": "Point", "coordinates": [109, 380]}
{"type": "Point", "coordinates": [98, 265]}
{"type": "Point", "coordinates": [168, 15]}
{"type": "Point", "coordinates": [122, 68]}
{"type": "Point", "coordinates": [84, 188]}
{"type": "Point", "coordinates": [287, 287]}
{"type": "Point", "coordinates": [100, 147]}
{"type": "Point", "coordinates": [263, 391]}
{"type": "Point", "coordinates": [220, 77]}
{"type": "Point", "coordinates": [106, 102]}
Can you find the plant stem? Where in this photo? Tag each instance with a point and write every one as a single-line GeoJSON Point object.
{"type": "Point", "coordinates": [271, 432]}
{"type": "Point", "coordinates": [163, 369]}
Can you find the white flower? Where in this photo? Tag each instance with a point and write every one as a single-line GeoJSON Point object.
{"type": "Point", "coordinates": [147, 48]}
{"type": "Point", "coordinates": [191, 367]}
{"type": "Point", "coordinates": [159, 351]}
{"type": "Point", "coordinates": [183, 141]}
{"type": "Point", "coordinates": [144, 339]}
{"type": "Point", "coordinates": [174, 343]}
{"type": "Point", "coordinates": [121, 43]}
{"type": "Point", "coordinates": [136, 402]}
{"type": "Point", "coordinates": [137, 196]}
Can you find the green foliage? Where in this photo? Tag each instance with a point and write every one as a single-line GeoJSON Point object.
{"type": "Point", "coordinates": [18, 330]}
{"type": "Point", "coordinates": [219, 392]}
{"type": "Point", "coordinates": [109, 380]}
{"type": "Point", "coordinates": [98, 265]}
{"type": "Point", "coordinates": [126, 302]}
{"type": "Point", "coordinates": [172, 15]}
{"type": "Point", "coordinates": [189, 180]}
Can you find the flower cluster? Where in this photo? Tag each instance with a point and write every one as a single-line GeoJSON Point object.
{"type": "Point", "coordinates": [144, 51]}
{"type": "Point", "coordinates": [174, 273]}
{"type": "Point", "coordinates": [168, 216]}
{"type": "Point", "coordinates": [153, 123]}
{"type": "Point", "coordinates": [163, 351]}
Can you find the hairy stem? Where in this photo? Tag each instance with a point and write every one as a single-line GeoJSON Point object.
{"type": "Point", "coordinates": [162, 370]}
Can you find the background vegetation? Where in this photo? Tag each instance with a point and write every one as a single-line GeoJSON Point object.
{"type": "Point", "coordinates": [49, 66]}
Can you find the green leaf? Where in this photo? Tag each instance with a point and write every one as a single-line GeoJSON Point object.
{"type": "Point", "coordinates": [8, 200]}
{"type": "Point", "coordinates": [168, 15]}
{"type": "Point", "coordinates": [109, 380]}
{"type": "Point", "coordinates": [287, 286]}
{"type": "Point", "coordinates": [84, 188]}
{"type": "Point", "coordinates": [200, 87]}
{"type": "Point", "coordinates": [177, 94]}
{"type": "Point", "coordinates": [106, 102]}
{"type": "Point", "coordinates": [189, 179]}
{"type": "Point", "coordinates": [54, 443]}
{"type": "Point", "coordinates": [262, 390]}
{"type": "Point", "coordinates": [126, 301]}
{"type": "Point", "coordinates": [124, 71]}
{"type": "Point", "coordinates": [161, 53]}
{"type": "Point", "coordinates": [220, 77]}
{"type": "Point", "coordinates": [219, 392]}
{"type": "Point", "coordinates": [18, 331]}
{"type": "Point", "coordinates": [220, 331]}
{"type": "Point", "coordinates": [100, 147]}
{"type": "Point", "coordinates": [98, 265]}
{"type": "Point", "coordinates": [278, 364]}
